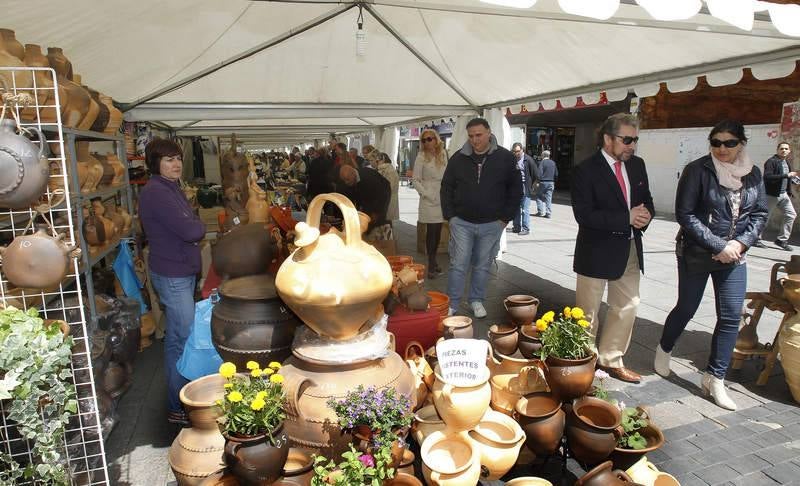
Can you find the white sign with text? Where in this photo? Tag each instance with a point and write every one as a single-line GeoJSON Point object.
{"type": "Point", "coordinates": [462, 362]}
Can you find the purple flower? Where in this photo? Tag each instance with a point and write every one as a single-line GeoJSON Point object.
{"type": "Point", "coordinates": [367, 460]}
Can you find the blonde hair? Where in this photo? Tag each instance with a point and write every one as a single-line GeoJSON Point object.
{"type": "Point", "coordinates": [440, 155]}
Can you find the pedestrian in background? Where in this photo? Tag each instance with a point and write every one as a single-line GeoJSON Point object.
{"type": "Point", "coordinates": [778, 176]}
{"type": "Point", "coordinates": [529, 172]}
{"type": "Point", "coordinates": [548, 173]}
{"type": "Point", "coordinates": [429, 169]}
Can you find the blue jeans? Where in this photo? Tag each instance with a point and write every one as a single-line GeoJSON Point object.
{"type": "Point", "coordinates": [471, 246]}
{"type": "Point", "coordinates": [177, 296]}
{"type": "Point", "coordinates": [730, 286]}
{"type": "Point", "coordinates": [544, 198]}
{"type": "Point", "coordinates": [523, 218]}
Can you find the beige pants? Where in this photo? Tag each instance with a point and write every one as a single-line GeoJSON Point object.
{"type": "Point", "coordinates": [613, 339]}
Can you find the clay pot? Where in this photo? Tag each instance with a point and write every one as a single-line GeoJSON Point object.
{"type": "Point", "coordinates": [118, 167]}
{"type": "Point", "coordinates": [409, 289]}
{"type": "Point", "coordinates": [789, 346]}
{"type": "Point", "coordinates": [570, 378]}
{"type": "Point", "coordinates": [748, 336]}
{"type": "Point", "coordinates": [625, 458]}
{"type": "Point", "coordinates": [44, 94]}
{"type": "Point", "coordinates": [528, 481]}
{"type": "Point", "coordinates": [37, 261]}
{"type": "Point", "coordinates": [102, 115]}
{"type": "Point", "coordinates": [250, 323]}
{"type": "Point", "coordinates": [94, 167]}
{"type": "Point", "coordinates": [499, 438]}
{"type": "Point", "coordinates": [503, 338]}
{"type": "Point", "coordinates": [530, 342]}
{"type": "Point", "coordinates": [114, 115]}
{"type": "Point", "coordinates": [108, 170]}
{"type": "Point", "coordinates": [423, 373]}
{"type": "Point", "coordinates": [645, 473]}
{"type": "Point", "coordinates": [458, 327]}
{"type": "Point", "coordinates": [403, 479]}
{"type": "Point", "coordinates": [426, 422]}
{"type": "Point", "coordinates": [11, 55]}
{"type": "Point", "coordinates": [255, 460]}
{"type": "Point", "coordinates": [450, 459]}
{"type": "Point", "coordinates": [359, 273]}
{"type": "Point", "coordinates": [24, 168]}
{"type": "Point", "coordinates": [521, 308]}
{"type": "Point", "coordinates": [298, 469]}
{"type": "Point", "coordinates": [407, 275]}
{"type": "Point", "coordinates": [461, 407]}
{"type": "Point", "coordinates": [117, 379]}
{"type": "Point", "coordinates": [196, 452]}
{"type": "Point", "coordinates": [147, 330]}
{"type": "Point", "coordinates": [512, 378]}
{"type": "Point", "coordinates": [542, 419]}
{"type": "Point", "coordinates": [244, 250]}
{"type": "Point", "coordinates": [75, 104]}
{"type": "Point", "coordinates": [207, 197]}
{"type": "Point", "coordinates": [310, 423]}
{"type": "Point", "coordinates": [8, 38]}
{"type": "Point", "coordinates": [418, 301]}
{"type": "Point", "coordinates": [407, 463]}
{"type": "Point", "coordinates": [94, 108]}
{"type": "Point", "coordinates": [112, 212]}
{"type": "Point", "coordinates": [592, 429]}
{"type": "Point", "coordinates": [602, 475]}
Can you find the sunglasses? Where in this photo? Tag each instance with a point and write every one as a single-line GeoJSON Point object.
{"type": "Point", "coordinates": [428, 139]}
{"type": "Point", "coordinates": [717, 143]}
{"type": "Point", "coordinates": [627, 140]}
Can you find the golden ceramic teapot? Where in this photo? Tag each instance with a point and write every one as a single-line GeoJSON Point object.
{"type": "Point", "coordinates": [334, 282]}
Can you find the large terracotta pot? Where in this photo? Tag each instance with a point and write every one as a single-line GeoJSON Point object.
{"type": "Point", "coordinates": [542, 419]}
{"type": "Point", "coordinates": [24, 169]}
{"type": "Point", "coordinates": [521, 308]}
{"type": "Point", "coordinates": [11, 55]}
{"type": "Point", "coordinates": [334, 282]}
{"type": "Point", "coordinates": [450, 459]}
{"type": "Point", "coordinates": [257, 460]}
{"type": "Point", "coordinates": [789, 348]}
{"type": "Point", "coordinates": [37, 261]}
{"type": "Point", "coordinates": [602, 475]}
{"type": "Point", "coordinates": [625, 458]}
{"type": "Point", "coordinates": [244, 250]}
{"type": "Point", "coordinates": [593, 427]}
{"type": "Point", "coordinates": [196, 452]}
{"type": "Point", "coordinates": [499, 438]}
{"type": "Point", "coordinates": [570, 378]}
{"type": "Point", "coordinates": [512, 378]}
{"type": "Point", "coordinates": [461, 407]}
{"type": "Point", "coordinates": [426, 422]}
{"type": "Point", "coordinates": [310, 423]}
{"type": "Point", "coordinates": [298, 470]}
{"type": "Point", "coordinates": [458, 327]}
{"type": "Point", "coordinates": [250, 323]}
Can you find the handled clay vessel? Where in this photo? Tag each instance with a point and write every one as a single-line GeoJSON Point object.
{"type": "Point", "coordinates": [521, 308]}
{"type": "Point", "coordinates": [24, 168]}
{"type": "Point", "coordinates": [593, 427]}
{"type": "Point", "coordinates": [37, 261]}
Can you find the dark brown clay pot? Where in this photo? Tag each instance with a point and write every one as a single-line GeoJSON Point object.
{"type": "Point", "coordinates": [244, 250]}
{"type": "Point", "coordinates": [521, 308]}
{"type": "Point", "coordinates": [458, 327]}
{"type": "Point", "coordinates": [570, 378]}
{"type": "Point", "coordinates": [251, 323]}
{"type": "Point", "coordinates": [625, 458]}
{"type": "Point", "coordinates": [592, 429]}
{"type": "Point", "coordinates": [503, 338]}
{"type": "Point", "coordinates": [602, 475]}
{"type": "Point", "coordinates": [541, 417]}
{"type": "Point", "coordinates": [256, 460]}
{"type": "Point", "coordinates": [298, 470]}
{"type": "Point", "coordinates": [529, 342]}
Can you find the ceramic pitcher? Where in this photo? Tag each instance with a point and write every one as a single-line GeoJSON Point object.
{"type": "Point", "coordinates": [24, 168]}
{"type": "Point", "coordinates": [499, 438]}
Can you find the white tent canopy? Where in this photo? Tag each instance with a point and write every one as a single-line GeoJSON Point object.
{"type": "Point", "coordinates": [290, 68]}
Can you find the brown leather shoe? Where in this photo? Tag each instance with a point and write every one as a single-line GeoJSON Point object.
{"type": "Point", "coordinates": [622, 374]}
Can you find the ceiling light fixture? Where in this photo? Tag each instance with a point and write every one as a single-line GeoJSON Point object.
{"type": "Point", "coordinates": [361, 35]}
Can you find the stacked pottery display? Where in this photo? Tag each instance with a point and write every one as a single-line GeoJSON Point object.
{"type": "Point", "coordinates": [80, 110]}
{"type": "Point", "coordinates": [335, 284]}
{"type": "Point", "coordinates": [11, 55]}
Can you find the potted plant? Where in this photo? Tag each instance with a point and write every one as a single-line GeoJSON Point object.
{"type": "Point", "coordinates": [375, 418]}
{"type": "Point", "coordinates": [357, 468]}
{"type": "Point", "coordinates": [256, 447]}
{"type": "Point", "coordinates": [639, 437]}
{"type": "Point", "coordinates": [35, 383]}
{"type": "Point", "coordinates": [566, 352]}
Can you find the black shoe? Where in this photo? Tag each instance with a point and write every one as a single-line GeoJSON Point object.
{"type": "Point", "coordinates": [783, 245]}
{"type": "Point", "coordinates": [524, 233]}
{"type": "Point", "coordinates": [547, 216]}
{"type": "Point", "coordinates": [759, 244]}
{"type": "Point", "coordinates": [512, 230]}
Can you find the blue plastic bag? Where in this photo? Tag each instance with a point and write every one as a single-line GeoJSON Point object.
{"type": "Point", "coordinates": [199, 357]}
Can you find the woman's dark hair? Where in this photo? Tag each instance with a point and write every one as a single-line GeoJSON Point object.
{"type": "Point", "coordinates": [733, 127]}
{"type": "Point", "coordinates": [157, 148]}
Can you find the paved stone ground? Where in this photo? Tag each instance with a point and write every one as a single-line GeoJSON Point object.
{"type": "Point", "coordinates": [757, 445]}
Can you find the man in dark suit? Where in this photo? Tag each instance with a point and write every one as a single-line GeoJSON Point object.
{"type": "Point", "coordinates": [612, 204]}
{"type": "Point", "coordinates": [529, 173]}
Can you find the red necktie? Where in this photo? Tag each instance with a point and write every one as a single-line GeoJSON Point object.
{"type": "Point", "coordinates": [620, 179]}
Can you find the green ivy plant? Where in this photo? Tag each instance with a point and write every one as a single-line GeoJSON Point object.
{"type": "Point", "coordinates": [633, 419]}
{"type": "Point", "coordinates": [35, 383]}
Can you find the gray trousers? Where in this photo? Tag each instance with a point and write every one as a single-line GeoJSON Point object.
{"type": "Point", "coordinates": [784, 204]}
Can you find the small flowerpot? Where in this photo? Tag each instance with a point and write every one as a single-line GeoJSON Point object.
{"type": "Point", "coordinates": [530, 343]}
{"type": "Point", "coordinates": [570, 378]}
{"type": "Point", "coordinates": [521, 308]}
{"type": "Point", "coordinates": [255, 460]}
{"type": "Point", "coordinates": [503, 338]}
{"type": "Point", "coordinates": [625, 458]}
{"type": "Point", "coordinates": [542, 419]}
{"type": "Point", "coordinates": [458, 327]}
{"type": "Point", "coordinates": [593, 427]}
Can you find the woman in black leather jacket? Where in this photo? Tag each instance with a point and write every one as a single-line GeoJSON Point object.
{"type": "Point", "coordinates": [721, 208]}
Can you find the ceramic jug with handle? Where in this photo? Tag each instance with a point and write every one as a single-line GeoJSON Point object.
{"type": "Point", "coordinates": [38, 260]}
{"type": "Point", "coordinates": [24, 168]}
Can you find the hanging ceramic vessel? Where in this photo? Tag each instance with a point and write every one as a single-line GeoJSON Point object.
{"type": "Point", "coordinates": [24, 168]}
{"type": "Point", "coordinates": [37, 261]}
{"type": "Point", "coordinates": [334, 282]}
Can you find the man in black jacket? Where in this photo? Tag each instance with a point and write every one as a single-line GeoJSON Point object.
{"type": "Point", "coordinates": [529, 173]}
{"type": "Point", "coordinates": [480, 193]}
{"type": "Point", "coordinates": [612, 204]}
{"type": "Point", "coordinates": [778, 176]}
{"type": "Point", "coordinates": [369, 191]}
{"type": "Point", "coordinates": [548, 173]}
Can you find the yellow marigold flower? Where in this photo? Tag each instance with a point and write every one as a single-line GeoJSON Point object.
{"type": "Point", "coordinates": [218, 402]}
{"type": "Point", "coordinates": [567, 312]}
{"type": "Point", "coordinates": [255, 373]}
{"type": "Point", "coordinates": [227, 385]}
{"type": "Point", "coordinates": [276, 378]}
{"type": "Point", "coordinates": [252, 365]}
{"type": "Point", "coordinates": [257, 404]}
{"type": "Point", "coordinates": [577, 313]}
{"type": "Point", "coordinates": [275, 365]}
{"type": "Point", "coordinates": [549, 317]}
{"type": "Point", "coordinates": [267, 371]}
{"type": "Point", "coordinates": [541, 325]}
{"type": "Point", "coordinates": [227, 369]}
{"type": "Point", "coordinates": [584, 323]}
{"type": "Point", "coordinates": [261, 395]}
{"type": "Point", "coordinates": [235, 396]}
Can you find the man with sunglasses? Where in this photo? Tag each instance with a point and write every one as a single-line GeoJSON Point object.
{"type": "Point", "coordinates": [778, 176]}
{"type": "Point", "coordinates": [529, 173]}
{"type": "Point", "coordinates": [613, 206]}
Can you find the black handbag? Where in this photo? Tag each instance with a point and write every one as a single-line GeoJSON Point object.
{"type": "Point", "coordinates": [698, 259]}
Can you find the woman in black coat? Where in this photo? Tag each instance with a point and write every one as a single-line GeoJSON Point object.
{"type": "Point", "coordinates": [721, 208]}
